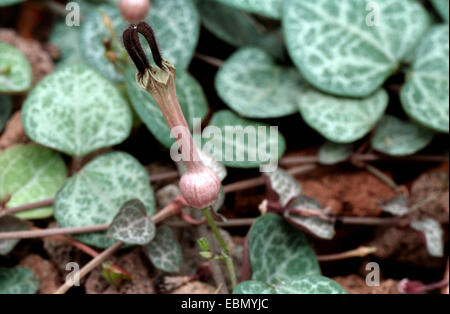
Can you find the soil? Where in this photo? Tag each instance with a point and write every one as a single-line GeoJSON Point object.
{"type": "Point", "coordinates": [346, 192]}
{"type": "Point", "coordinates": [136, 263]}
{"type": "Point", "coordinates": [354, 284]}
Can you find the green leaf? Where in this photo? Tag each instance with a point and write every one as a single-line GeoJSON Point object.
{"type": "Point", "coordinates": [397, 206]}
{"type": "Point", "coordinates": [176, 24]}
{"type": "Point", "coordinates": [5, 110]}
{"type": "Point", "coordinates": [190, 95]}
{"type": "Point", "coordinates": [338, 49]}
{"type": "Point", "coordinates": [30, 173]}
{"type": "Point", "coordinates": [95, 194]}
{"type": "Point", "coordinates": [268, 8]}
{"type": "Point", "coordinates": [400, 138]}
{"type": "Point", "coordinates": [285, 185]}
{"type": "Point", "coordinates": [251, 83]}
{"type": "Point", "coordinates": [131, 224]}
{"type": "Point", "coordinates": [230, 144]}
{"type": "Point", "coordinates": [15, 70]}
{"type": "Point", "coordinates": [238, 28]}
{"type": "Point", "coordinates": [76, 111]}
{"type": "Point", "coordinates": [315, 225]}
{"type": "Point", "coordinates": [310, 285]}
{"type": "Point", "coordinates": [342, 120]}
{"type": "Point", "coordinates": [114, 275]}
{"type": "Point", "coordinates": [18, 280]}
{"type": "Point", "coordinates": [442, 6]}
{"type": "Point", "coordinates": [4, 3]}
{"type": "Point", "coordinates": [209, 161]}
{"type": "Point", "coordinates": [278, 251]}
{"type": "Point", "coordinates": [425, 96]}
{"type": "Point", "coordinates": [253, 287]}
{"type": "Point", "coordinates": [7, 224]}
{"type": "Point", "coordinates": [315, 284]}
{"type": "Point", "coordinates": [333, 153]}
{"type": "Point", "coordinates": [165, 251]}
{"type": "Point", "coordinates": [433, 233]}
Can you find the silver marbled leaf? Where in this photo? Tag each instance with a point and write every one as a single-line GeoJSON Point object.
{"type": "Point", "coordinates": [433, 233]}
{"type": "Point", "coordinates": [164, 251]}
{"type": "Point", "coordinates": [317, 226]}
{"type": "Point", "coordinates": [131, 225]}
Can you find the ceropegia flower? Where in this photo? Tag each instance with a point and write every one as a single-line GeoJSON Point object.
{"type": "Point", "coordinates": [199, 185]}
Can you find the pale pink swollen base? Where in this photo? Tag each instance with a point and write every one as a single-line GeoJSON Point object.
{"type": "Point", "coordinates": [134, 11]}
{"type": "Point", "coordinates": [200, 186]}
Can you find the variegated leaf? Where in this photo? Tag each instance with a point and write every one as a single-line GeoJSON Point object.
{"type": "Point", "coordinates": [165, 251]}
{"type": "Point", "coordinates": [131, 225]}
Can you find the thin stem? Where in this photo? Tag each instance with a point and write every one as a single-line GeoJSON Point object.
{"type": "Point", "coordinates": [51, 232]}
{"type": "Point", "coordinates": [38, 204]}
{"type": "Point", "coordinates": [383, 177]}
{"type": "Point", "coordinates": [170, 210]}
{"type": "Point", "coordinates": [216, 270]}
{"type": "Point", "coordinates": [230, 223]}
{"type": "Point", "coordinates": [164, 176]}
{"type": "Point", "coordinates": [295, 160]}
{"type": "Point", "coordinates": [209, 60]}
{"type": "Point", "coordinates": [362, 251]}
{"type": "Point", "coordinates": [215, 229]}
{"type": "Point", "coordinates": [230, 267]}
{"type": "Point", "coordinates": [255, 182]}
{"type": "Point", "coordinates": [91, 265]}
{"type": "Point", "coordinates": [373, 221]}
{"type": "Point", "coordinates": [226, 251]}
{"type": "Point", "coordinates": [445, 289]}
{"type": "Point", "coordinates": [68, 240]}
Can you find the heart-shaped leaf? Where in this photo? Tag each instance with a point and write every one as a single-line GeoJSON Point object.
{"type": "Point", "coordinates": [190, 95]}
{"type": "Point", "coordinates": [238, 28]}
{"type": "Point", "coordinates": [349, 48]}
{"type": "Point", "coordinates": [131, 225]}
{"type": "Point", "coordinates": [18, 280]}
{"type": "Point", "coordinates": [397, 206]}
{"type": "Point", "coordinates": [95, 194]}
{"type": "Point", "coordinates": [165, 251]}
{"type": "Point", "coordinates": [5, 110]}
{"type": "Point", "coordinates": [432, 231]}
{"type": "Point", "coordinates": [176, 24]}
{"type": "Point", "coordinates": [278, 251]}
{"type": "Point", "coordinates": [425, 96]}
{"type": "Point", "coordinates": [442, 6]}
{"type": "Point", "coordinates": [333, 153]}
{"type": "Point", "coordinates": [31, 173]}
{"type": "Point", "coordinates": [284, 185]}
{"type": "Point", "coordinates": [209, 161]}
{"type": "Point", "coordinates": [7, 224]}
{"type": "Point", "coordinates": [77, 111]}
{"type": "Point", "coordinates": [15, 70]}
{"type": "Point", "coordinates": [241, 143]}
{"type": "Point", "coordinates": [342, 120]}
{"type": "Point", "coordinates": [399, 138]}
{"type": "Point", "coordinates": [251, 83]}
{"type": "Point", "coordinates": [268, 8]}
{"type": "Point", "coordinates": [315, 225]}
{"type": "Point", "coordinates": [305, 285]}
